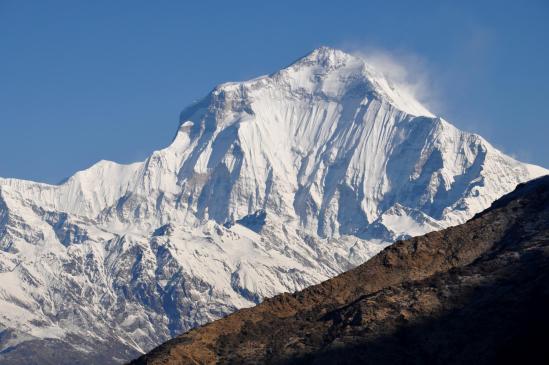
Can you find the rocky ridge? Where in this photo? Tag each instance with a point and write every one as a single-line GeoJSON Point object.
{"type": "Point", "coordinates": [474, 293]}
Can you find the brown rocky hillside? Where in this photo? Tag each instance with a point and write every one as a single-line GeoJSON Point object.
{"type": "Point", "coordinates": [475, 293]}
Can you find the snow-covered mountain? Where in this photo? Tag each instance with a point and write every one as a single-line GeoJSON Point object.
{"type": "Point", "coordinates": [269, 185]}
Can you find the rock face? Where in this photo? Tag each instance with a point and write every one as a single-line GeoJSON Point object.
{"type": "Point", "coordinates": [474, 293]}
{"type": "Point", "coordinates": [269, 186]}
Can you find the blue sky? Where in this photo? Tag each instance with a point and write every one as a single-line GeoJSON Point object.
{"type": "Point", "coordinates": [82, 81]}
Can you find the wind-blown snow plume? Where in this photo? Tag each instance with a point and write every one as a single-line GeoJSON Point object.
{"type": "Point", "coordinates": [407, 71]}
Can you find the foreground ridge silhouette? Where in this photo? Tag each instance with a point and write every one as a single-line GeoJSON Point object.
{"type": "Point", "coordinates": [474, 293]}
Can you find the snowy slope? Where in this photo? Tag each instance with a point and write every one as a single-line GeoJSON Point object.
{"type": "Point", "coordinates": [269, 185]}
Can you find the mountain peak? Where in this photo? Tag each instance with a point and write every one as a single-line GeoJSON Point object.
{"type": "Point", "coordinates": [334, 69]}
{"type": "Point", "coordinates": [326, 73]}
{"type": "Point", "coordinates": [270, 185]}
{"type": "Point", "coordinates": [338, 74]}
{"type": "Point", "coordinates": [328, 56]}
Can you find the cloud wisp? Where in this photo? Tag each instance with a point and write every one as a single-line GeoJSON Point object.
{"type": "Point", "coordinates": [409, 72]}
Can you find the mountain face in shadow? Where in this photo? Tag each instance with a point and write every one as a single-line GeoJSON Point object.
{"type": "Point", "coordinates": [474, 293]}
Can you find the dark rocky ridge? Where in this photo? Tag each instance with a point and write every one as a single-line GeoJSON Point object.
{"type": "Point", "coordinates": [475, 293]}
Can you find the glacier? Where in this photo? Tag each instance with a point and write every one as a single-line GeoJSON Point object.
{"type": "Point", "coordinates": [269, 185]}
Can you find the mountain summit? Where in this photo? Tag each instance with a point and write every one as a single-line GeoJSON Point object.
{"type": "Point", "coordinates": [269, 186]}
{"type": "Point", "coordinates": [355, 70]}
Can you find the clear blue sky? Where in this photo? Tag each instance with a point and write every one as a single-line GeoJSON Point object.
{"type": "Point", "coordinates": [82, 80]}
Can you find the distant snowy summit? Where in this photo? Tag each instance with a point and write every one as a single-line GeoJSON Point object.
{"type": "Point", "coordinates": [269, 185]}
